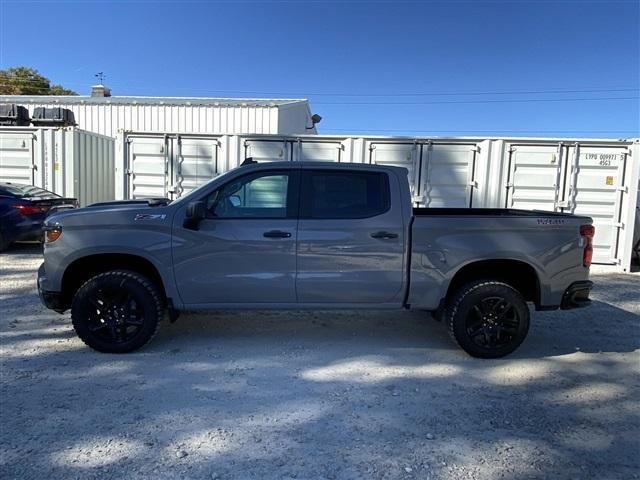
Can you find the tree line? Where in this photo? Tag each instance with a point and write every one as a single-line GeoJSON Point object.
{"type": "Point", "coordinates": [28, 81]}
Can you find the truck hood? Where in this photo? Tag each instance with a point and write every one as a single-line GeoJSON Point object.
{"type": "Point", "coordinates": [112, 213]}
{"type": "Point", "coordinates": [150, 202]}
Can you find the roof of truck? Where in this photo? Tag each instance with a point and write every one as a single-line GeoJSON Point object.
{"type": "Point", "coordinates": [319, 164]}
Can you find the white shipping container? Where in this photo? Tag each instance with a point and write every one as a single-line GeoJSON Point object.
{"type": "Point", "coordinates": [166, 165]}
{"type": "Point", "coordinates": [598, 178]}
{"type": "Point", "coordinates": [67, 161]}
{"type": "Point", "coordinates": [585, 177]}
{"type": "Point", "coordinates": [19, 162]}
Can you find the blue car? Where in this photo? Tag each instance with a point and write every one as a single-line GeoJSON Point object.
{"type": "Point", "coordinates": [23, 208]}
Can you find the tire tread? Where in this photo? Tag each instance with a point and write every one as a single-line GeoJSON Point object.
{"type": "Point", "coordinates": [144, 282]}
{"type": "Point", "coordinates": [454, 305]}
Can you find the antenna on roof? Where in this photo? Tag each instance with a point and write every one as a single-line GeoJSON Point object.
{"type": "Point", "coordinates": [248, 161]}
{"type": "Point", "coordinates": [100, 76]}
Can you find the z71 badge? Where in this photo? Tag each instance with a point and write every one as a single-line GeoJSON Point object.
{"type": "Point", "coordinates": [150, 216]}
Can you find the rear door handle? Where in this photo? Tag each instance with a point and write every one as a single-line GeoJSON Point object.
{"type": "Point", "coordinates": [384, 235]}
{"type": "Point", "coordinates": [276, 234]}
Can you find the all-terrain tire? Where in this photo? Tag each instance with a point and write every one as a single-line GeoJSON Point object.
{"type": "Point", "coordinates": [117, 311]}
{"type": "Point", "coordinates": [488, 319]}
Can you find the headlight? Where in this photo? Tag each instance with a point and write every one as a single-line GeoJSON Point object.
{"type": "Point", "coordinates": [51, 234]}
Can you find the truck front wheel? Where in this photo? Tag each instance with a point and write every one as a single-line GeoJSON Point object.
{"type": "Point", "coordinates": [488, 319]}
{"type": "Point", "coordinates": [117, 311]}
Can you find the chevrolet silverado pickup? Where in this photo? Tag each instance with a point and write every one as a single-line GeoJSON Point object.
{"type": "Point", "coordinates": [289, 235]}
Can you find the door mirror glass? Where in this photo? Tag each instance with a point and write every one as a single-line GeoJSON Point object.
{"type": "Point", "coordinates": [235, 200]}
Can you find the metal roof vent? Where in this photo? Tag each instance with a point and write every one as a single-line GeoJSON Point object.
{"type": "Point", "coordinates": [100, 91]}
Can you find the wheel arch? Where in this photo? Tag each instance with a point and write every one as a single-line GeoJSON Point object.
{"type": "Point", "coordinates": [520, 275]}
{"type": "Point", "coordinates": [86, 267]}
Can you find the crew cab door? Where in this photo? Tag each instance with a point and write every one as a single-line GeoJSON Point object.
{"type": "Point", "coordinates": [244, 251]}
{"type": "Point", "coordinates": [351, 237]}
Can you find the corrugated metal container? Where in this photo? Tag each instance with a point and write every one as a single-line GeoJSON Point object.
{"type": "Point", "coordinates": [68, 161]}
{"type": "Point", "coordinates": [19, 158]}
{"type": "Point", "coordinates": [108, 115]}
{"type": "Point", "coordinates": [598, 178]}
{"type": "Point", "coordinates": [165, 165]}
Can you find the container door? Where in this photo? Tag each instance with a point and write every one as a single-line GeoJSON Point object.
{"type": "Point", "coordinates": [404, 155]}
{"type": "Point", "coordinates": [535, 177]}
{"type": "Point", "coordinates": [148, 167]}
{"type": "Point", "coordinates": [596, 185]}
{"type": "Point", "coordinates": [448, 175]}
{"type": "Point", "coordinates": [196, 162]}
{"type": "Point", "coordinates": [306, 151]}
{"type": "Point", "coordinates": [276, 150]}
{"type": "Point", "coordinates": [17, 161]}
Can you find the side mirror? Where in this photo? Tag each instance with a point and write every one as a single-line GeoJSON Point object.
{"type": "Point", "coordinates": [196, 212]}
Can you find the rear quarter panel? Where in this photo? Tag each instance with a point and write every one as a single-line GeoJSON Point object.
{"type": "Point", "coordinates": [441, 246]}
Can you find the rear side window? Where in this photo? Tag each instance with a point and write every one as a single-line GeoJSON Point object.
{"type": "Point", "coordinates": [343, 194]}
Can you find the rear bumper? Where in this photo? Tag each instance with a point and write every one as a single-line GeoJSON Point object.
{"type": "Point", "coordinates": [577, 295]}
{"type": "Point", "coordinates": [52, 300]}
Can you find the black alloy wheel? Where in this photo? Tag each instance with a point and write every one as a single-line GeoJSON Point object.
{"type": "Point", "coordinates": [492, 322]}
{"type": "Point", "coordinates": [488, 319]}
{"type": "Point", "coordinates": [117, 311]}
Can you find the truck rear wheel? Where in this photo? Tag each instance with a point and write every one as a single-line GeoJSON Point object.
{"type": "Point", "coordinates": [117, 311]}
{"type": "Point", "coordinates": [488, 319]}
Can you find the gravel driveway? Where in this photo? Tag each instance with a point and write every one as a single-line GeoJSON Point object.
{"type": "Point", "coordinates": [268, 395]}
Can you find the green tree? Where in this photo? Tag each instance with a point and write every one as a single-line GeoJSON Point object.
{"type": "Point", "coordinates": [27, 81]}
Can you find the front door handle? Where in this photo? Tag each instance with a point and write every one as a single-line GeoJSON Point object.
{"type": "Point", "coordinates": [276, 234]}
{"type": "Point", "coordinates": [384, 235]}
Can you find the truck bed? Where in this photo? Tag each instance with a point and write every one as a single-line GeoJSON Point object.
{"type": "Point", "coordinates": [444, 240]}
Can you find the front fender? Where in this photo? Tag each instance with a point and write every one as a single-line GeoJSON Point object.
{"type": "Point", "coordinates": [151, 245]}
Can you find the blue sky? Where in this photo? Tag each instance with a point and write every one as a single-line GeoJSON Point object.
{"type": "Point", "coordinates": [565, 68]}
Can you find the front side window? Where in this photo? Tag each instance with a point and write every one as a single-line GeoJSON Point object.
{"type": "Point", "coordinates": [259, 195]}
{"type": "Point", "coordinates": [343, 194]}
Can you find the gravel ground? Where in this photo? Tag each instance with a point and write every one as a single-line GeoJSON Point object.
{"type": "Point", "coordinates": [264, 395]}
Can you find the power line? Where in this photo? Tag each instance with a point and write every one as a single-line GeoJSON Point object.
{"type": "Point", "coordinates": [401, 94]}
{"type": "Point", "coordinates": [449, 102]}
{"type": "Point", "coordinates": [446, 102]}
{"type": "Point", "coordinates": [420, 94]}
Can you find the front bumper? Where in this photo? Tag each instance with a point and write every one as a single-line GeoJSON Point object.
{"type": "Point", "coordinates": [52, 300]}
{"type": "Point", "coordinates": [577, 295]}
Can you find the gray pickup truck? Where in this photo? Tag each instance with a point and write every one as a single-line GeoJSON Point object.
{"type": "Point", "coordinates": [311, 236]}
